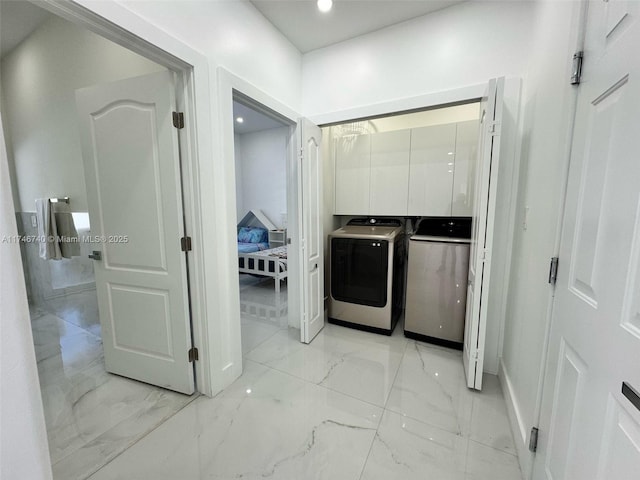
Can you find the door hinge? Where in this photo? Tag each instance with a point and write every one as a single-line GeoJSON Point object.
{"type": "Point", "coordinates": [178, 120]}
{"type": "Point", "coordinates": [185, 244]}
{"type": "Point", "coordinates": [576, 69]}
{"type": "Point", "coordinates": [493, 128]}
{"type": "Point", "coordinates": [533, 439]}
{"type": "Point", "coordinates": [193, 354]}
{"type": "Point", "coordinates": [553, 270]}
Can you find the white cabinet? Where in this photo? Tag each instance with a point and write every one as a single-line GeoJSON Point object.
{"type": "Point", "coordinates": [426, 171]}
{"type": "Point", "coordinates": [465, 168]}
{"type": "Point", "coordinates": [389, 173]}
{"type": "Point", "coordinates": [431, 170]}
{"type": "Point", "coordinates": [353, 170]}
{"type": "Point", "coordinates": [277, 238]}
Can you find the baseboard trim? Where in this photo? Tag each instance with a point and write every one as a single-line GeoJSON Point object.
{"type": "Point", "coordinates": [519, 429]}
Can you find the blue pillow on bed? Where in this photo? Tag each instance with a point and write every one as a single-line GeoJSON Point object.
{"type": "Point", "coordinates": [252, 235]}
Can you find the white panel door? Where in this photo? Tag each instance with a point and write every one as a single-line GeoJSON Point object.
{"type": "Point", "coordinates": [311, 244]}
{"type": "Point", "coordinates": [353, 170]}
{"type": "Point", "coordinates": [588, 428]}
{"type": "Point", "coordinates": [482, 232]}
{"type": "Point", "coordinates": [388, 193]}
{"type": "Point", "coordinates": [132, 172]}
{"type": "Point", "coordinates": [464, 172]}
{"type": "Point", "coordinates": [431, 170]}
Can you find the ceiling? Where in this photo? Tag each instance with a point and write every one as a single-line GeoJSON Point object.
{"type": "Point", "coordinates": [309, 29]}
{"type": "Point", "coordinates": [299, 20]}
{"type": "Point", "coordinates": [253, 121]}
{"type": "Point", "coordinates": [18, 19]}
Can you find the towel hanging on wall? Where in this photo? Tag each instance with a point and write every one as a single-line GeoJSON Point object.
{"type": "Point", "coordinates": [59, 238]}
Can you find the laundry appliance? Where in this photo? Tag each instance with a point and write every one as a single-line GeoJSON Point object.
{"type": "Point", "coordinates": [367, 273]}
{"type": "Point", "coordinates": [437, 272]}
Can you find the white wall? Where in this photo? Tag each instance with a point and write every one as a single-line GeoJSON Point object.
{"type": "Point", "coordinates": [24, 451]}
{"type": "Point", "coordinates": [456, 47]}
{"type": "Point", "coordinates": [262, 162]}
{"type": "Point", "coordinates": [39, 79]}
{"type": "Point", "coordinates": [548, 108]}
{"type": "Point", "coordinates": [240, 211]}
{"type": "Point", "coordinates": [234, 35]}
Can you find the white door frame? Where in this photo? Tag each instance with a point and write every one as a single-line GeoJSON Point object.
{"type": "Point", "coordinates": [510, 150]}
{"type": "Point", "coordinates": [227, 84]}
{"type": "Point", "coordinates": [191, 70]}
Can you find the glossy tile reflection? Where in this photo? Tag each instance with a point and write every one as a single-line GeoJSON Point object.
{"type": "Point", "coordinates": [350, 406]}
{"type": "Point", "coordinates": [263, 312]}
{"type": "Point", "coordinates": [91, 416]}
{"type": "Point", "coordinates": [266, 425]}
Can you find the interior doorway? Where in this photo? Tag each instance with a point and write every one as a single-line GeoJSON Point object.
{"type": "Point", "coordinates": [261, 149]}
{"type": "Point", "coordinates": [91, 414]}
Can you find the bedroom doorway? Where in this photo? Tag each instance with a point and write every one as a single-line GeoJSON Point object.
{"type": "Point", "coordinates": [261, 152]}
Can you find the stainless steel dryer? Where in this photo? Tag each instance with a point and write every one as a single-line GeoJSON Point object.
{"type": "Point", "coordinates": [367, 274]}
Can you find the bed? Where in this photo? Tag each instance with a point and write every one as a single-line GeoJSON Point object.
{"type": "Point", "coordinates": [254, 255]}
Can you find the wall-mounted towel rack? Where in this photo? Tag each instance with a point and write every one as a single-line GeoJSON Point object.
{"type": "Point", "coordinates": [60, 200]}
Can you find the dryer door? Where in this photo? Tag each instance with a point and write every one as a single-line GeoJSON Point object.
{"type": "Point", "coordinates": [359, 269]}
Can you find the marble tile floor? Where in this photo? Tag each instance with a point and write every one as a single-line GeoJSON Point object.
{"type": "Point", "coordinates": [263, 312]}
{"type": "Point", "coordinates": [350, 406]}
{"type": "Point", "coordinates": [91, 416]}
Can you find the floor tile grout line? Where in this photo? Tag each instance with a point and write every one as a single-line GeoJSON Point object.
{"type": "Point", "coordinates": [466, 437]}
{"type": "Point", "coordinates": [289, 374]}
{"type": "Point", "coordinates": [54, 314]}
{"type": "Point", "coordinates": [373, 440]}
{"type": "Point", "coordinates": [263, 341]}
{"type": "Point", "coordinates": [384, 410]}
{"type": "Point", "coordinates": [461, 435]}
{"type": "Point", "coordinates": [478, 442]}
{"type": "Point", "coordinates": [191, 399]}
{"type": "Point", "coordinates": [329, 388]}
{"type": "Point", "coordinates": [59, 317]}
{"type": "Point", "coordinates": [195, 397]}
{"type": "Point", "coordinates": [395, 377]}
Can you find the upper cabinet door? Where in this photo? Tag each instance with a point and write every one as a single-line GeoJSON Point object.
{"type": "Point", "coordinates": [389, 172]}
{"type": "Point", "coordinates": [431, 170]}
{"type": "Point", "coordinates": [353, 171]}
{"type": "Point", "coordinates": [464, 172]}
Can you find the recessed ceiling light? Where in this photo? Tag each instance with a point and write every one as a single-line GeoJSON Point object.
{"type": "Point", "coordinates": [325, 5]}
{"type": "Point", "coordinates": [240, 120]}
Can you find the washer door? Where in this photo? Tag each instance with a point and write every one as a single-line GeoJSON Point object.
{"type": "Point", "coordinates": [359, 270]}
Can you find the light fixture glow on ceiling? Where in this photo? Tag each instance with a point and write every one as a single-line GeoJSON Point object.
{"type": "Point", "coordinates": [240, 120]}
{"type": "Point", "coordinates": [325, 5]}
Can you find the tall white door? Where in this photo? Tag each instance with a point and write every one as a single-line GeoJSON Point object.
{"type": "Point", "coordinates": [311, 255]}
{"type": "Point", "coordinates": [484, 207]}
{"type": "Point", "coordinates": [132, 172]}
{"type": "Point", "coordinates": [589, 428]}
